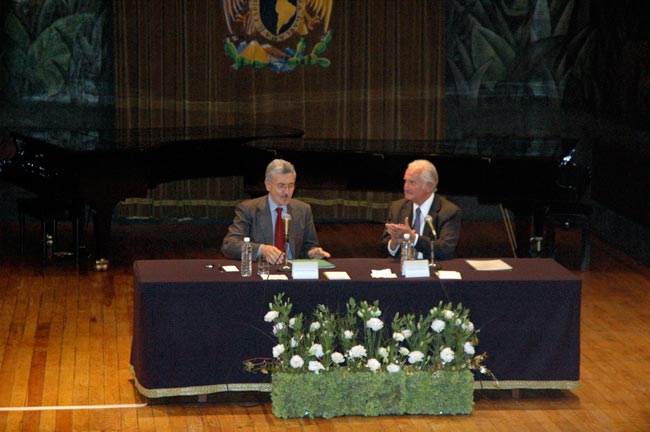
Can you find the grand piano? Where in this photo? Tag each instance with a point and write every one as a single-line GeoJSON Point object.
{"type": "Point", "coordinates": [102, 168]}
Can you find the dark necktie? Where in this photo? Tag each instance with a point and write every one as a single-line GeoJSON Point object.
{"type": "Point", "coordinates": [416, 221]}
{"type": "Point", "coordinates": [279, 230]}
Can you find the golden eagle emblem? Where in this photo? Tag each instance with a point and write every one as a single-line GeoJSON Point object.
{"type": "Point", "coordinates": [277, 22]}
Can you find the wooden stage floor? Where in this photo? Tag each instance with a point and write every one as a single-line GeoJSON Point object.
{"type": "Point", "coordinates": [65, 337]}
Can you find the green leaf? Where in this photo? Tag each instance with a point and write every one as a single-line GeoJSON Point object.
{"type": "Point", "coordinates": [230, 48]}
{"type": "Point", "coordinates": [50, 53]}
{"type": "Point", "coordinates": [490, 48]}
{"type": "Point", "coordinates": [323, 62]}
{"type": "Point", "coordinates": [541, 21]}
{"type": "Point", "coordinates": [17, 32]}
{"type": "Point", "coordinates": [564, 23]}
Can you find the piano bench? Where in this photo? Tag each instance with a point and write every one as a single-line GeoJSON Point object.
{"type": "Point", "coordinates": [567, 216]}
{"type": "Point", "coordinates": [49, 212]}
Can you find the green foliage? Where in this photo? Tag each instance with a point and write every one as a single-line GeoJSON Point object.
{"type": "Point", "coordinates": [342, 392]}
{"type": "Point", "coordinates": [39, 54]}
{"type": "Point", "coordinates": [521, 47]}
{"type": "Point", "coordinates": [281, 64]}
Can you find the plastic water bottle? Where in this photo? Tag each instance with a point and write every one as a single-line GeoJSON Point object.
{"type": "Point", "coordinates": [246, 266]}
{"type": "Point", "coordinates": [406, 251]}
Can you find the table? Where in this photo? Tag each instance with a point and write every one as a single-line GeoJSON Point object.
{"type": "Point", "coordinates": [194, 325]}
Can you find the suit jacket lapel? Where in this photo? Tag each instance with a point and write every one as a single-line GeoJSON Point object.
{"type": "Point", "coordinates": [265, 221]}
{"type": "Point", "coordinates": [436, 205]}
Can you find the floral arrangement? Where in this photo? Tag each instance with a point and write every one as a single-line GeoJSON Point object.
{"type": "Point", "coordinates": [331, 349]}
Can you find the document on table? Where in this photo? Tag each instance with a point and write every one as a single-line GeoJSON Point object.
{"type": "Point", "coordinates": [336, 275]}
{"type": "Point", "coordinates": [276, 277]}
{"type": "Point", "coordinates": [384, 273]}
{"type": "Point", "coordinates": [489, 265]}
{"type": "Point", "coordinates": [230, 268]}
{"type": "Point", "coordinates": [448, 274]}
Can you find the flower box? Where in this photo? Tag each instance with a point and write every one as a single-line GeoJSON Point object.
{"type": "Point", "coordinates": [342, 392]}
{"type": "Point", "coordinates": [348, 363]}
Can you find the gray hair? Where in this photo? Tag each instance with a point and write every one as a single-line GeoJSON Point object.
{"type": "Point", "coordinates": [278, 166]}
{"type": "Point", "coordinates": [428, 172]}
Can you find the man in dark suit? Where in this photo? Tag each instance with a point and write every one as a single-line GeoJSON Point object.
{"type": "Point", "coordinates": [262, 219]}
{"type": "Point", "coordinates": [420, 199]}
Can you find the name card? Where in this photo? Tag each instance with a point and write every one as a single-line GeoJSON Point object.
{"type": "Point", "coordinates": [416, 268]}
{"type": "Point", "coordinates": [304, 270]}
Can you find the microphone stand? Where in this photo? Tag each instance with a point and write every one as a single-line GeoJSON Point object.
{"type": "Point", "coordinates": [286, 267]}
{"type": "Point", "coordinates": [432, 262]}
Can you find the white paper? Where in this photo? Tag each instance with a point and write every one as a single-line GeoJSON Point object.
{"type": "Point", "coordinates": [336, 275]}
{"type": "Point", "coordinates": [276, 277]}
{"type": "Point", "coordinates": [448, 274]}
{"type": "Point", "coordinates": [489, 265]}
{"type": "Point", "coordinates": [384, 273]}
{"type": "Point", "coordinates": [230, 268]}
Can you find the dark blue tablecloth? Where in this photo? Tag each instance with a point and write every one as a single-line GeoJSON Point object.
{"type": "Point", "coordinates": [194, 326]}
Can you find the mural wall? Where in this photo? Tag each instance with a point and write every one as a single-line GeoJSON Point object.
{"type": "Point", "coordinates": [56, 64]}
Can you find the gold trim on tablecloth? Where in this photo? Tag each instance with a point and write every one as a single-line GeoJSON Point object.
{"type": "Point", "coordinates": [534, 385]}
{"type": "Point", "coordinates": [266, 387]}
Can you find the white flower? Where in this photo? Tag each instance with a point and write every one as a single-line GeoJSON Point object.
{"type": "Point", "coordinates": [315, 366]}
{"type": "Point", "coordinates": [296, 362]}
{"type": "Point", "coordinates": [292, 322]}
{"type": "Point", "coordinates": [404, 351]}
{"type": "Point", "coordinates": [447, 355]}
{"type": "Point", "coordinates": [278, 327]}
{"type": "Point", "coordinates": [468, 326]}
{"type": "Point", "coordinates": [469, 348]}
{"type": "Point", "coordinates": [375, 324]}
{"type": "Point", "coordinates": [382, 352]}
{"type": "Point", "coordinates": [392, 368]}
{"type": "Point", "coordinates": [449, 314]}
{"type": "Point", "coordinates": [375, 312]}
{"type": "Point", "coordinates": [399, 337]}
{"type": "Point", "coordinates": [337, 357]}
{"type": "Point", "coordinates": [458, 321]}
{"type": "Point", "coordinates": [373, 364]}
{"type": "Point", "coordinates": [358, 351]}
{"type": "Point", "coordinates": [294, 343]}
{"type": "Point", "coordinates": [277, 350]}
{"type": "Point", "coordinates": [271, 315]}
{"type": "Point", "coordinates": [483, 370]}
{"type": "Point", "coordinates": [348, 334]}
{"type": "Point", "coordinates": [314, 326]}
{"type": "Point", "coordinates": [415, 357]}
{"type": "Point", "coordinates": [316, 350]}
{"type": "Point", "coordinates": [437, 325]}
{"type": "Point", "coordinates": [407, 333]}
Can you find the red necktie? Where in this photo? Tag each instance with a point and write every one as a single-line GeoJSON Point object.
{"type": "Point", "coordinates": [279, 230]}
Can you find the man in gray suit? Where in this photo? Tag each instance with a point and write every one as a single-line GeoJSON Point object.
{"type": "Point", "coordinates": [258, 219]}
{"type": "Point", "coordinates": [420, 200]}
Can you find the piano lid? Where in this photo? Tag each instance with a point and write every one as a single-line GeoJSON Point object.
{"type": "Point", "coordinates": [119, 140]}
{"type": "Point", "coordinates": [488, 147]}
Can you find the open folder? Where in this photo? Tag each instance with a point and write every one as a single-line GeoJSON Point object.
{"type": "Point", "coordinates": [322, 264]}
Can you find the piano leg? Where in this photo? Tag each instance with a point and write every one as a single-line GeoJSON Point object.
{"type": "Point", "coordinates": [102, 220]}
{"type": "Point", "coordinates": [525, 229]}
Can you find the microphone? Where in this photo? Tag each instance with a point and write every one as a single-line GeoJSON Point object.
{"type": "Point", "coordinates": [286, 217]}
{"type": "Point", "coordinates": [432, 263]}
{"type": "Point", "coordinates": [429, 220]}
